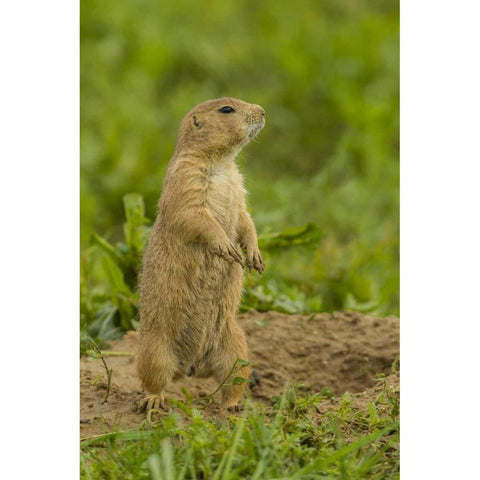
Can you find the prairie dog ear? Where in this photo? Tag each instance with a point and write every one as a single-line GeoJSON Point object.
{"type": "Point", "coordinates": [196, 122]}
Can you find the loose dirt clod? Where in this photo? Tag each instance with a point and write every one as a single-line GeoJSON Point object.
{"type": "Point", "coordinates": [340, 351]}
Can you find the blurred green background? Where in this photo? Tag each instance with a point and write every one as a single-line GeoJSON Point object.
{"type": "Point", "coordinates": [327, 74]}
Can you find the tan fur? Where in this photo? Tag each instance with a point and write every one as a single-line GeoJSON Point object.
{"type": "Point", "coordinates": [192, 273]}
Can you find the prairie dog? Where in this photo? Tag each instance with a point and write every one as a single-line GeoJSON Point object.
{"type": "Point", "coordinates": [192, 272]}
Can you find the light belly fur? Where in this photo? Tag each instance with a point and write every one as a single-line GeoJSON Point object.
{"type": "Point", "coordinates": [225, 196]}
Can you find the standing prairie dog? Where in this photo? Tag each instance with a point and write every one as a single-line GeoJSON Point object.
{"type": "Point", "coordinates": [192, 272]}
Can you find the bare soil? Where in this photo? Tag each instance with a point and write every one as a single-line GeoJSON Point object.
{"type": "Point", "coordinates": [343, 352]}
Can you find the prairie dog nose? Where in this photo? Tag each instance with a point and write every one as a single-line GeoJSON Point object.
{"type": "Point", "coordinates": [260, 109]}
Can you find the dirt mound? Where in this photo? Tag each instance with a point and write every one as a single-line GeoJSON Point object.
{"type": "Point", "coordinates": [341, 351]}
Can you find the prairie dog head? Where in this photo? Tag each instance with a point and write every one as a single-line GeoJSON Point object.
{"type": "Point", "coordinates": [219, 127]}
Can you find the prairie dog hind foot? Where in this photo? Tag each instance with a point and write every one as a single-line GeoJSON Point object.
{"type": "Point", "coordinates": [234, 408]}
{"type": "Point", "coordinates": [150, 402]}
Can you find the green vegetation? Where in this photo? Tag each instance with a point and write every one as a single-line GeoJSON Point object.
{"type": "Point", "coordinates": [327, 74]}
{"type": "Point", "coordinates": [109, 276]}
{"type": "Point", "coordinates": [291, 440]}
{"type": "Point", "coordinates": [323, 179]}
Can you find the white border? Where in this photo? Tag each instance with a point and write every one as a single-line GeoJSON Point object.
{"type": "Point", "coordinates": [440, 242]}
{"type": "Point", "coordinates": [39, 188]}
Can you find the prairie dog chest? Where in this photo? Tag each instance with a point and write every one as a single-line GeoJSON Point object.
{"type": "Point", "coordinates": [225, 193]}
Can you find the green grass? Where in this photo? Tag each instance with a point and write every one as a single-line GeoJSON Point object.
{"type": "Point", "coordinates": [290, 440]}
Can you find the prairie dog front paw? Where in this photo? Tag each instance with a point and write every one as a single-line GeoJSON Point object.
{"type": "Point", "coordinates": [227, 251]}
{"type": "Point", "coordinates": [254, 259]}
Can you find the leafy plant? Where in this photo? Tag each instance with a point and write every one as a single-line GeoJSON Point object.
{"type": "Point", "coordinates": [230, 379]}
{"type": "Point", "coordinates": [109, 275]}
{"type": "Point", "coordinates": [90, 348]}
{"type": "Point", "coordinates": [308, 234]}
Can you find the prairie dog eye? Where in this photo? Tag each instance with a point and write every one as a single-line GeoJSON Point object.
{"type": "Point", "coordinates": [226, 109]}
